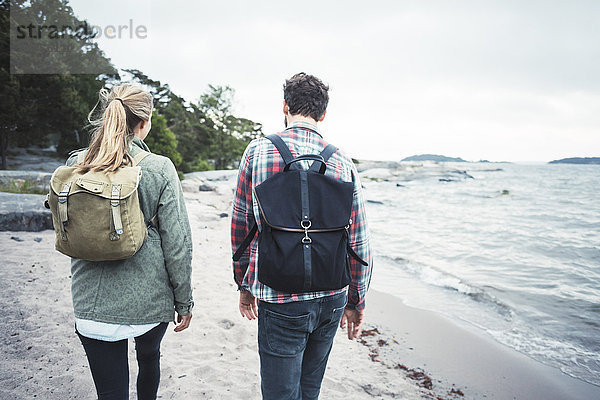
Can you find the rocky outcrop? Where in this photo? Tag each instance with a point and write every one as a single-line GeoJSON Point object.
{"type": "Point", "coordinates": [213, 176]}
{"type": "Point", "coordinates": [196, 185]}
{"type": "Point", "coordinates": [30, 221]}
{"type": "Point", "coordinates": [433, 157]}
{"type": "Point", "coordinates": [577, 160]}
{"type": "Point", "coordinates": [34, 159]}
{"type": "Point", "coordinates": [40, 179]}
{"type": "Point", "coordinates": [24, 212]}
{"type": "Point", "coordinates": [209, 181]}
{"type": "Point", "coordinates": [414, 172]}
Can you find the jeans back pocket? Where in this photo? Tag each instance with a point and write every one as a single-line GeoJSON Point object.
{"type": "Point", "coordinates": [286, 334]}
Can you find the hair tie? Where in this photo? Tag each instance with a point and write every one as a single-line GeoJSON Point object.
{"type": "Point", "coordinates": [116, 98]}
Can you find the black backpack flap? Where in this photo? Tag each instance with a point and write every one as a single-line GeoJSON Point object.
{"type": "Point", "coordinates": [330, 201]}
{"type": "Point", "coordinates": [283, 267]}
{"type": "Point", "coordinates": [280, 201]}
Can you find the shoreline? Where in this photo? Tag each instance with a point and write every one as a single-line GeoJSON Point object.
{"type": "Point", "coordinates": [465, 356]}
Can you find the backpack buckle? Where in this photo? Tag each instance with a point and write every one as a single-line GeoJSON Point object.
{"type": "Point", "coordinates": [305, 224]}
{"type": "Point", "coordinates": [62, 209]}
{"type": "Point", "coordinates": [115, 202]}
{"type": "Point", "coordinates": [306, 239]}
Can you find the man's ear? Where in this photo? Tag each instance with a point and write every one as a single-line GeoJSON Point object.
{"type": "Point", "coordinates": [286, 108]}
{"type": "Point", "coordinates": [322, 116]}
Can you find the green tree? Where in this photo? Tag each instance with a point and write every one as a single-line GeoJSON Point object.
{"type": "Point", "coordinates": [49, 39]}
{"type": "Point", "coordinates": [47, 109]}
{"type": "Point", "coordinates": [231, 134]}
{"type": "Point", "coordinates": [9, 87]}
{"type": "Point", "coordinates": [161, 140]}
{"type": "Point", "coordinates": [193, 135]}
{"type": "Point", "coordinates": [185, 120]}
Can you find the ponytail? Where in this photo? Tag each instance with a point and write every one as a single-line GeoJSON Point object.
{"type": "Point", "coordinates": [122, 109]}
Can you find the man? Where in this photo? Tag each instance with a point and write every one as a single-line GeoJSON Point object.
{"type": "Point", "coordinates": [296, 330]}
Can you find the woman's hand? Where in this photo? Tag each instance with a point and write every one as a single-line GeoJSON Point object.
{"type": "Point", "coordinates": [184, 322]}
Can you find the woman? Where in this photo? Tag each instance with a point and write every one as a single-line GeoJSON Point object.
{"type": "Point", "coordinates": [136, 297]}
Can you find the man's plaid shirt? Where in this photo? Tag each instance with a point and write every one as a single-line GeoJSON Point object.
{"type": "Point", "coordinates": [260, 161]}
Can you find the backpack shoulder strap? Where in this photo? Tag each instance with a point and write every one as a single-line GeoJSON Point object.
{"type": "Point", "coordinates": [77, 151]}
{"type": "Point", "coordinates": [153, 221]}
{"type": "Point", "coordinates": [247, 240]}
{"type": "Point", "coordinates": [326, 153]}
{"type": "Point", "coordinates": [140, 156]}
{"type": "Point", "coordinates": [282, 148]}
{"type": "Point", "coordinates": [136, 160]}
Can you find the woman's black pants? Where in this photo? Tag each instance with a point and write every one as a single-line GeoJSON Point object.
{"type": "Point", "coordinates": [110, 367]}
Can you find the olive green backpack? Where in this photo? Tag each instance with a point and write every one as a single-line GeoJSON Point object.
{"type": "Point", "coordinates": [97, 215]}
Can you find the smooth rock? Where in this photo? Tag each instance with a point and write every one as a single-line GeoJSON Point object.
{"type": "Point", "coordinates": [205, 187]}
{"type": "Point", "coordinates": [464, 173]}
{"type": "Point", "coordinates": [189, 186]}
{"type": "Point", "coordinates": [376, 174]}
{"type": "Point", "coordinates": [41, 178]}
{"type": "Point", "coordinates": [24, 212]}
{"type": "Point", "coordinates": [29, 221]}
{"type": "Point", "coordinates": [219, 175]}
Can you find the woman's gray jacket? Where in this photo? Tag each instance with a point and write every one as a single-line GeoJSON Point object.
{"type": "Point", "coordinates": [150, 286]}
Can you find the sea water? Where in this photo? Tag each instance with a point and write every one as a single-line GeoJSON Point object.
{"type": "Point", "coordinates": [513, 249]}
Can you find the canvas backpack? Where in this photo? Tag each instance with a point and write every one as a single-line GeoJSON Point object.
{"type": "Point", "coordinates": [97, 215]}
{"type": "Point", "coordinates": [305, 218]}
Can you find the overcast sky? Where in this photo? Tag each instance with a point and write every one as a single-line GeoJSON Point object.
{"type": "Point", "coordinates": [496, 80]}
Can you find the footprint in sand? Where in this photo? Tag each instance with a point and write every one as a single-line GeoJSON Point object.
{"type": "Point", "coordinates": [226, 324]}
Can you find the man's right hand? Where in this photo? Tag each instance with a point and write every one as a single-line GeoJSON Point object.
{"type": "Point", "coordinates": [247, 305]}
{"type": "Point", "coordinates": [354, 319]}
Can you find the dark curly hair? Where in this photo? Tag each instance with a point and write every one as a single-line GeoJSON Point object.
{"type": "Point", "coordinates": [306, 95]}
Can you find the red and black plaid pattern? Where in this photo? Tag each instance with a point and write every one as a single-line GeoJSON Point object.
{"type": "Point", "coordinates": [262, 160]}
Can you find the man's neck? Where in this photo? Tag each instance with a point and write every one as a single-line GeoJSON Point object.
{"type": "Point", "coordinates": [299, 118]}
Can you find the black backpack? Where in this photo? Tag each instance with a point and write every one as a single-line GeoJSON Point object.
{"type": "Point", "coordinates": [305, 215]}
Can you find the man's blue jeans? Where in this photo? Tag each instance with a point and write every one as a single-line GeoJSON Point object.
{"type": "Point", "coordinates": [294, 342]}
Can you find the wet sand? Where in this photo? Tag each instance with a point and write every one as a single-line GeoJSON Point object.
{"type": "Point", "coordinates": [457, 353]}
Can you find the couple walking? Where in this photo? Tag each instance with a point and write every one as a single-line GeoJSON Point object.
{"type": "Point", "coordinates": [310, 279]}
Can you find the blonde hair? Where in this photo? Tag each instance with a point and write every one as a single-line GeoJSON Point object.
{"type": "Point", "coordinates": [121, 110]}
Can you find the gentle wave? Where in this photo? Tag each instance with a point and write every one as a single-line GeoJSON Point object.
{"type": "Point", "coordinates": [571, 359]}
{"type": "Point", "coordinates": [445, 280]}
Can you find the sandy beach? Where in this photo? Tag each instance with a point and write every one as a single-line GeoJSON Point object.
{"type": "Point", "coordinates": [405, 353]}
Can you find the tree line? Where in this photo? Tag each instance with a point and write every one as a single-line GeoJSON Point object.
{"type": "Point", "coordinates": [52, 109]}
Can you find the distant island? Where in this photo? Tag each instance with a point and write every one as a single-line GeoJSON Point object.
{"type": "Point", "coordinates": [433, 157]}
{"type": "Point", "coordinates": [577, 160]}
